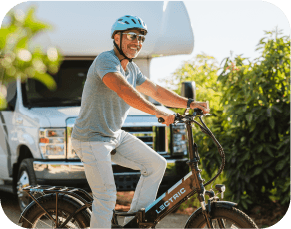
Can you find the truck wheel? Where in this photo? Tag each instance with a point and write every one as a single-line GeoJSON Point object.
{"type": "Point", "coordinates": [25, 178]}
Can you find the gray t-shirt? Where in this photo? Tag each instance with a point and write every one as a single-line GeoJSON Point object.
{"type": "Point", "coordinates": [103, 112]}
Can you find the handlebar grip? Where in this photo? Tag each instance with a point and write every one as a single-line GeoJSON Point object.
{"type": "Point", "coordinates": [161, 120]}
{"type": "Point", "coordinates": [198, 111]}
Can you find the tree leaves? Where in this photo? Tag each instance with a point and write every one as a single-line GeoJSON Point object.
{"type": "Point", "coordinates": [252, 119]}
{"type": "Point", "coordinates": [272, 123]}
{"type": "Point", "coordinates": [32, 24]}
{"type": "Point", "coordinates": [281, 164]}
{"type": "Point", "coordinates": [17, 60]}
{"type": "Point", "coordinates": [258, 101]}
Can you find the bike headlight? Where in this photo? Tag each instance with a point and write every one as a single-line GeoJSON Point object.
{"type": "Point", "coordinates": [52, 143]}
{"type": "Point", "coordinates": [179, 139]}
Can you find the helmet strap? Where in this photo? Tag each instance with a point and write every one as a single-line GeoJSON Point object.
{"type": "Point", "coordinates": [120, 49]}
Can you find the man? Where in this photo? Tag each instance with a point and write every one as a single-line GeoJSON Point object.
{"type": "Point", "coordinates": [113, 84]}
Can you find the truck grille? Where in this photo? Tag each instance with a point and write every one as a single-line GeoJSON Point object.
{"type": "Point", "coordinates": [154, 137]}
{"type": "Point", "coordinates": [126, 181]}
{"type": "Point", "coordinates": [145, 134]}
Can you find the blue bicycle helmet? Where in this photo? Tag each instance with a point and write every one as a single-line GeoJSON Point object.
{"type": "Point", "coordinates": [128, 22]}
{"type": "Point", "coordinates": [124, 23]}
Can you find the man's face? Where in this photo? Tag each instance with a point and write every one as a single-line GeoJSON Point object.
{"type": "Point", "coordinates": [131, 48]}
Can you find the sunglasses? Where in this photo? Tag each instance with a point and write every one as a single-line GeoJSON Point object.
{"type": "Point", "coordinates": [132, 36]}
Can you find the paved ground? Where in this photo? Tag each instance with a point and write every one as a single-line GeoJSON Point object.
{"type": "Point", "coordinates": [11, 210]}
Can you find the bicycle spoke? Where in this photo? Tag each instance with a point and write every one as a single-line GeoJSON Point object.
{"type": "Point", "coordinates": [44, 222]}
{"type": "Point", "coordinates": [34, 226]}
{"type": "Point", "coordinates": [222, 223]}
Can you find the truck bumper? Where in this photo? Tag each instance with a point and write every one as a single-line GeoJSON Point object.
{"type": "Point", "coordinates": [71, 173]}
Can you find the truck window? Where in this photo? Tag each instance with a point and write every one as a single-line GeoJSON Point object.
{"type": "Point", "coordinates": [70, 81]}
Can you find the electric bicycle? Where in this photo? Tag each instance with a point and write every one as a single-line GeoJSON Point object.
{"type": "Point", "coordinates": [68, 207]}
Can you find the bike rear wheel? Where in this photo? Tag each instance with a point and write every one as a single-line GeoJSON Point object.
{"type": "Point", "coordinates": [229, 218]}
{"type": "Point", "coordinates": [37, 218]}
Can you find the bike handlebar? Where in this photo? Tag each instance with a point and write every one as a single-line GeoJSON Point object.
{"type": "Point", "coordinates": [180, 119]}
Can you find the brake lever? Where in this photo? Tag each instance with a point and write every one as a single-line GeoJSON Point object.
{"type": "Point", "coordinates": [187, 111]}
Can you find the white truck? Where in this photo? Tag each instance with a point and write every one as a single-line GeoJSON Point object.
{"type": "Point", "coordinates": [35, 129]}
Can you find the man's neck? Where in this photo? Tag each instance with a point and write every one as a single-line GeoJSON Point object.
{"type": "Point", "coordinates": [124, 62]}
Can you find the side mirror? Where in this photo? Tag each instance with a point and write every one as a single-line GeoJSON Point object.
{"type": "Point", "coordinates": [188, 90]}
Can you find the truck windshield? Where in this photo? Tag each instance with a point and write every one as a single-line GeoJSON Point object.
{"type": "Point", "coordinates": [70, 81]}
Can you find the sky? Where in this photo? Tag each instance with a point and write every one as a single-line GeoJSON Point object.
{"type": "Point", "coordinates": [221, 27]}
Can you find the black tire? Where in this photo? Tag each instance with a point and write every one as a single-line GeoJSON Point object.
{"type": "Point", "coordinates": [36, 218]}
{"type": "Point", "coordinates": [26, 176]}
{"type": "Point", "coordinates": [233, 218]}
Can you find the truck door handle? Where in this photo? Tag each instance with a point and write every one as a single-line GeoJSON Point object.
{"type": "Point", "coordinates": [19, 120]}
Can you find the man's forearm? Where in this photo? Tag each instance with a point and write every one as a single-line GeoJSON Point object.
{"type": "Point", "coordinates": [133, 98]}
{"type": "Point", "coordinates": [170, 98]}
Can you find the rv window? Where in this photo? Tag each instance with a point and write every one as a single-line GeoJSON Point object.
{"type": "Point", "coordinates": [70, 82]}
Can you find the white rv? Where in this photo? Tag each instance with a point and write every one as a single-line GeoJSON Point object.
{"type": "Point", "coordinates": [35, 128]}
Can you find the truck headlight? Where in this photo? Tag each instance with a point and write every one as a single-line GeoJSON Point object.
{"type": "Point", "coordinates": [52, 143]}
{"type": "Point", "coordinates": [179, 139]}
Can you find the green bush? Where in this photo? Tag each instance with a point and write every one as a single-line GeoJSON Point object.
{"type": "Point", "coordinates": [250, 107]}
{"type": "Point", "coordinates": [256, 99]}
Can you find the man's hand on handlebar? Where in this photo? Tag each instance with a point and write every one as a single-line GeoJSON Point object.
{"type": "Point", "coordinates": [204, 106]}
{"type": "Point", "coordinates": [168, 119]}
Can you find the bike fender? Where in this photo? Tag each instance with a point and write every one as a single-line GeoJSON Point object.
{"type": "Point", "coordinates": [221, 204]}
{"type": "Point", "coordinates": [24, 213]}
{"type": "Point", "coordinates": [31, 205]}
{"type": "Point", "coordinates": [225, 204]}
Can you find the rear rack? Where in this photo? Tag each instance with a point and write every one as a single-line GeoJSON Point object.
{"type": "Point", "coordinates": [32, 190]}
{"type": "Point", "coordinates": [46, 189]}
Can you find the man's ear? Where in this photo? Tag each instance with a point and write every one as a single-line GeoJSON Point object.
{"type": "Point", "coordinates": [117, 38]}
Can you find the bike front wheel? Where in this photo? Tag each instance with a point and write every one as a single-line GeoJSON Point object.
{"type": "Point", "coordinates": [37, 218]}
{"type": "Point", "coordinates": [222, 218]}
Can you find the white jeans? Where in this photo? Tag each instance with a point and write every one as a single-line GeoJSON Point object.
{"type": "Point", "coordinates": [130, 152]}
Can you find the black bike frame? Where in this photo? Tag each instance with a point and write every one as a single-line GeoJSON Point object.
{"type": "Point", "coordinates": [185, 188]}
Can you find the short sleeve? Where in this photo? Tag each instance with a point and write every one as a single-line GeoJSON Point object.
{"type": "Point", "coordinates": [106, 63]}
{"type": "Point", "coordinates": [140, 78]}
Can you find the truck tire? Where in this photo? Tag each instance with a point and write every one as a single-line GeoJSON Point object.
{"type": "Point", "coordinates": [25, 178]}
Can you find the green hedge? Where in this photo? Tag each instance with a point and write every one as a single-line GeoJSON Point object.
{"type": "Point", "coordinates": [250, 107]}
{"type": "Point", "coordinates": [256, 99]}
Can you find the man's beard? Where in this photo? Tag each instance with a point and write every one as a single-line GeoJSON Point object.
{"type": "Point", "coordinates": [132, 54]}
